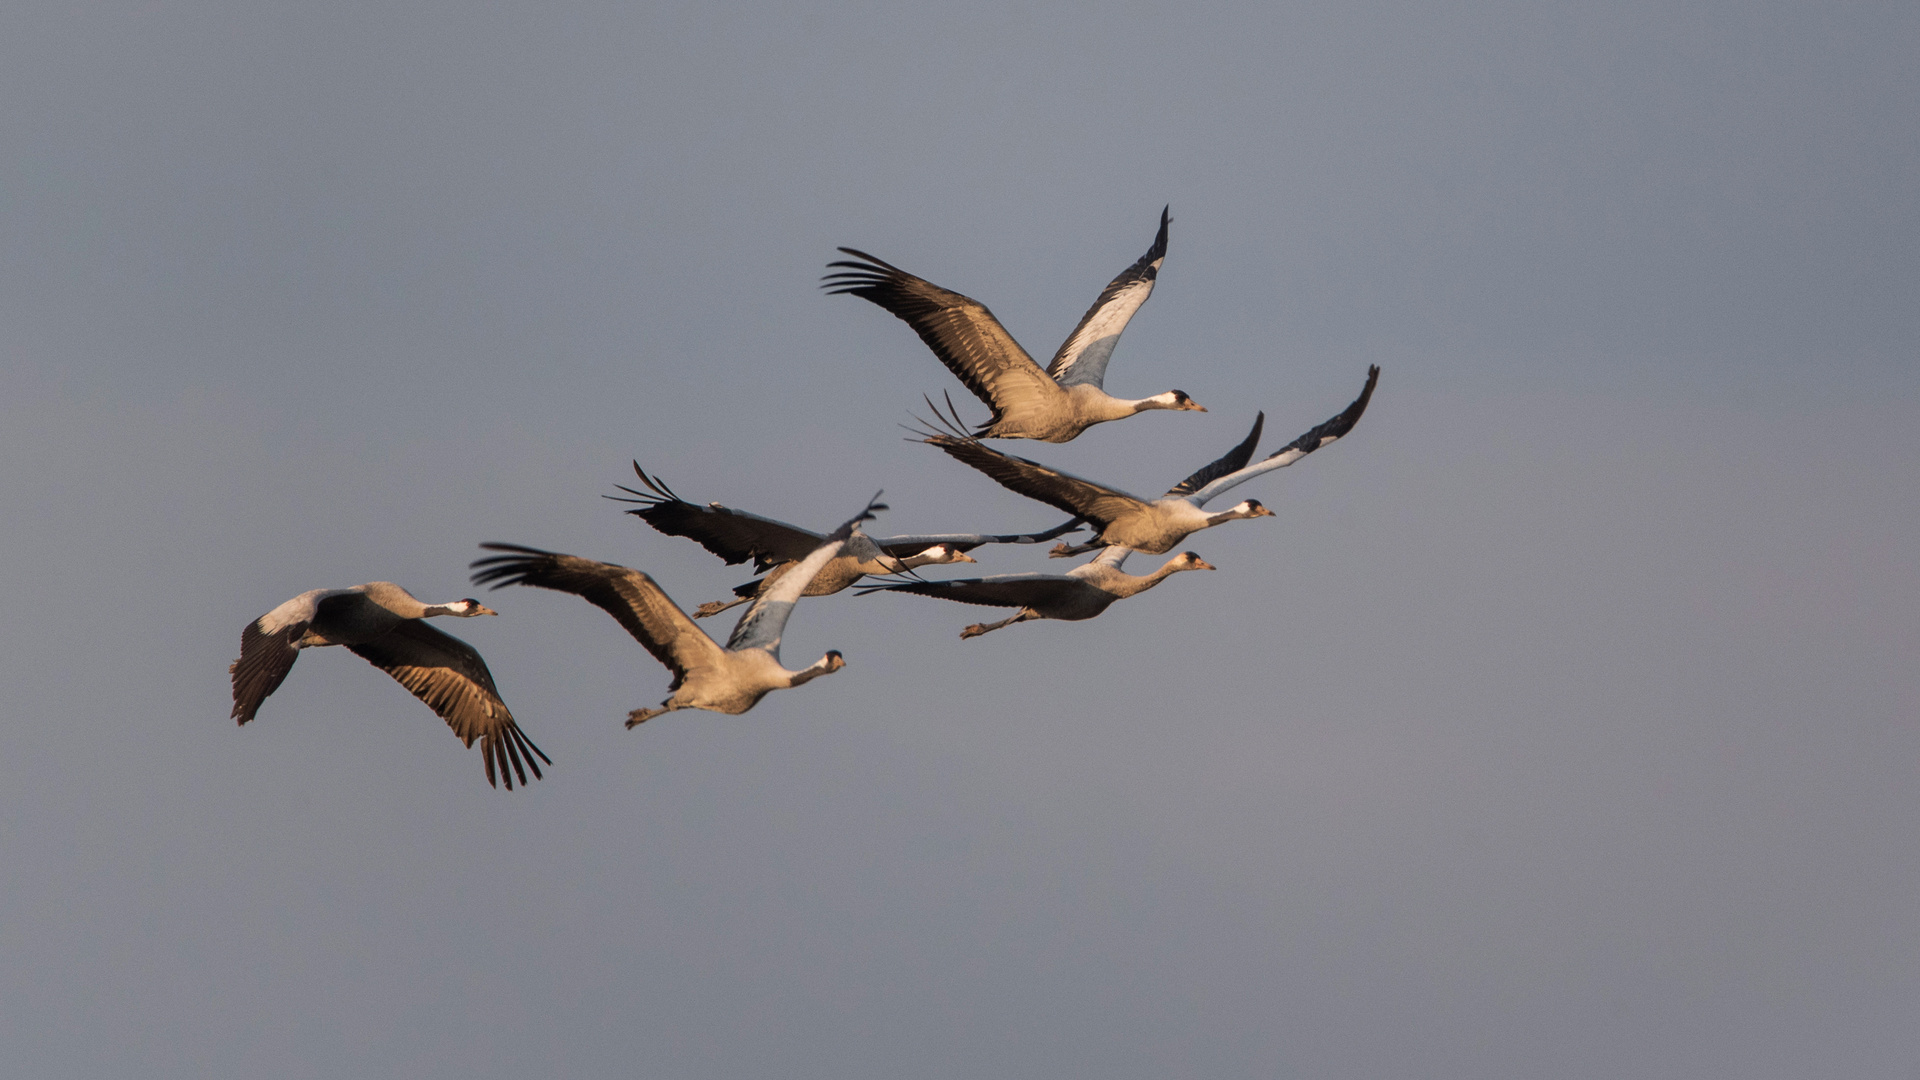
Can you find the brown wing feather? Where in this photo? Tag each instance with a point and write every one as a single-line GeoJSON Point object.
{"type": "Point", "coordinates": [264, 662]}
{"type": "Point", "coordinates": [960, 331]}
{"type": "Point", "coordinates": [1083, 498]}
{"type": "Point", "coordinates": [634, 600]}
{"type": "Point", "coordinates": [453, 680]}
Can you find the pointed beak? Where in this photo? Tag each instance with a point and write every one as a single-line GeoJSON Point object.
{"type": "Point", "coordinates": [485, 610]}
{"type": "Point", "coordinates": [1193, 406]}
{"type": "Point", "coordinates": [1264, 512]}
{"type": "Point", "coordinates": [961, 556]}
{"type": "Point", "coordinates": [1202, 564]}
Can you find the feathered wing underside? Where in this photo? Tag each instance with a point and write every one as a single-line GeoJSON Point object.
{"type": "Point", "coordinates": [449, 675]}
{"type": "Point", "coordinates": [264, 662]}
{"type": "Point", "coordinates": [960, 331]}
{"type": "Point", "coordinates": [634, 600]}
{"type": "Point", "coordinates": [766, 617]}
{"type": "Point", "coordinates": [734, 535]}
{"type": "Point", "coordinates": [1082, 498]}
{"type": "Point", "coordinates": [1323, 435]}
{"type": "Point", "coordinates": [1002, 590]}
{"type": "Point", "coordinates": [1233, 460]}
{"type": "Point", "coordinates": [1083, 356]}
{"type": "Point", "coordinates": [1113, 555]}
{"type": "Point", "coordinates": [267, 650]}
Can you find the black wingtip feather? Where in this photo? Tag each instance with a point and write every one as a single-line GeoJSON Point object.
{"type": "Point", "coordinates": [1336, 426]}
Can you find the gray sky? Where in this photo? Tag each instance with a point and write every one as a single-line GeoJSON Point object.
{"type": "Point", "coordinates": [1562, 724]}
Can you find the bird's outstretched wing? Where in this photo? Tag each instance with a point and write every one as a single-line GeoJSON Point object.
{"type": "Point", "coordinates": [1323, 435]}
{"type": "Point", "coordinates": [1083, 356]}
{"type": "Point", "coordinates": [267, 651]}
{"type": "Point", "coordinates": [901, 547]}
{"type": "Point", "coordinates": [1231, 461]}
{"type": "Point", "coordinates": [766, 617]}
{"type": "Point", "coordinates": [1001, 590]}
{"type": "Point", "coordinates": [634, 600]}
{"type": "Point", "coordinates": [1082, 498]}
{"type": "Point", "coordinates": [449, 675]}
{"type": "Point", "coordinates": [734, 535]}
{"type": "Point", "coordinates": [960, 331]}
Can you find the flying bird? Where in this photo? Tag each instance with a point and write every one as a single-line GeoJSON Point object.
{"type": "Point", "coordinates": [775, 546]}
{"type": "Point", "coordinates": [382, 623]}
{"type": "Point", "coordinates": [1054, 405]}
{"type": "Point", "coordinates": [1153, 526]}
{"type": "Point", "coordinates": [705, 675]}
{"type": "Point", "coordinates": [1081, 593]}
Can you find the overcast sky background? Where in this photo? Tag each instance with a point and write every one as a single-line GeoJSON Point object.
{"type": "Point", "coordinates": [1564, 723]}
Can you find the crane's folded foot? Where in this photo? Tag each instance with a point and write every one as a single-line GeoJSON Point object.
{"type": "Point", "coordinates": [711, 607]}
{"type": "Point", "coordinates": [974, 631]}
{"type": "Point", "coordinates": [641, 716]}
{"type": "Point", "coordinates": [1062, 551]}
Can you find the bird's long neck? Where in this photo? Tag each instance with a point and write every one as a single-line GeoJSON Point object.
{"type": "Point", "coordinates": [1235, 514]}
{"type": "Point", "coordinates": [1168, 400]}
{"type": "Point", "coordinates": [825, 665]}
{"type": "Point", "coordinates": [1124, 584]}
{"type": "Point", "coordinates": [1099, 406]}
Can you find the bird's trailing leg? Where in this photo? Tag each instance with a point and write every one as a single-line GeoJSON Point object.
{"type": "Point", "coordinates": [980, 628]}
{"type": "Point", "coordinates": [1062, 551]}
{"type": "Point", "coordinates": [715, 607]}
{"type": "Point", "coordinates": [641, 716]}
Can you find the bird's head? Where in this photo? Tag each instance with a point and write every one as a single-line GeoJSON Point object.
{"type": "Point", "coordinates": [1190, 561]}
{"type": "Point", "coordinates": [1252, 508]}
{"type": "Point", "coordinates": [941, 554]}
{"type": "Point", "coordinates": [468, 608]}
{"type": "Point", "coordinates": [1172, 399]}
{"type": "Point", "coordinates": [833, 660]}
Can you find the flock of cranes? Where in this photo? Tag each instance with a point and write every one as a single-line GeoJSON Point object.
{"type": "Point", "coordinates": [384, 623]}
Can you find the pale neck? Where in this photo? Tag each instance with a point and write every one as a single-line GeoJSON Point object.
{"type": "Point", "coordinates": [1225, 515]}
{"type": "Point", "coordinates": [822, 666]}
{"type": "Point", "coordinates": [1158, 401]}
{"type": "Point", "coordinates": [1130, 584]}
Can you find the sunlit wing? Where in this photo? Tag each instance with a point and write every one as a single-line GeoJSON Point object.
{"type": "Point", "coordinates": [1083, 356]}
{"type": "Point", "coordinates": [634, 600]}
{"type": "Point", "coordinates": [1082, 498]}
{"type": "Point", "coordinates": [453, 680]}
{"type": "Point", "coordinates": [960, 331]}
